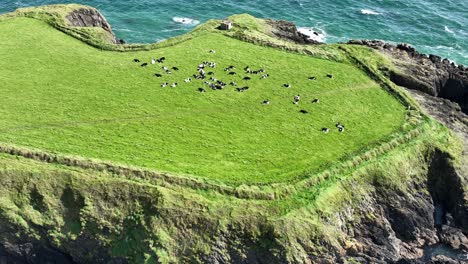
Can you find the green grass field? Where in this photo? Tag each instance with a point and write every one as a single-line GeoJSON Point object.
{"type": "Point", "coordinates": [61, 95]}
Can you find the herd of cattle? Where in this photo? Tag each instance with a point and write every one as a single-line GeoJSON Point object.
{"type": "Point", "coordinates": [205, 73]}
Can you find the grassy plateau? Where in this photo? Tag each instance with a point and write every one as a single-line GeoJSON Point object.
{"type": "Point", "coordinates": [100, 162]}
{"type": "Point", "coordinates": [62, 95]}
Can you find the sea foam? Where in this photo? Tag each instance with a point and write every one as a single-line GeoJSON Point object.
{"type": "Point", "coordinates": [313, 34]}
{"type": "Point", "coordinates": [448, 30]}
{"type": "Point", "coordinates": [186, 21]}
{"type": "Point", "coordinates": [370, 12]}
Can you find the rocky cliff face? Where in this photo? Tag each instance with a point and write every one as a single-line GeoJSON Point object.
{"type": "Point", "coordinates": [31, 253]}
{"type": "Point", "coordinates": [437, 211]}
{"type": "Point", "coordinates": [90, 17]}
{"type": "Point", "coordinates": [288, 31]}
{"type": "Point", "coordinates": [404, 224]}
{"type": "Point", "coordinates": [427, 73]}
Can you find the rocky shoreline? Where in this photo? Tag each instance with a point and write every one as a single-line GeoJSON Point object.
{"type": "Point", "coordinates": [427, 73]}
{"type": "Point", "coordinates": [441, 88]}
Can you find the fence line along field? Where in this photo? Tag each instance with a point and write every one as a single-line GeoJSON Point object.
{"type": "Point", "coordinates": [187, 114]}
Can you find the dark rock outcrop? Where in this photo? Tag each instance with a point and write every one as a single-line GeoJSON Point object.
{"type": "Point", "coordinates": [397, 227]}
{"type": "Point", "coordinates": [90, 17]}
{"type": "Point", "coordinates": [288, 31]}
{"type": "Point", "coordinates": [427, 73]}
{"type": "Point", "coordinates": [31, 253]}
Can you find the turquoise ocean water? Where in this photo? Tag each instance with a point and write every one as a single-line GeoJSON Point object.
{"type": "Point", "coordinates": [432, 26]}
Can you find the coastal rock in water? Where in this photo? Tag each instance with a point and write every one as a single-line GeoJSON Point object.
{"type": "Point", "coordinates": [90, 17]}
{"type": "Point", "coordinates": [454, 238]}
{"type": "Point", "coordinates": [288, 30]}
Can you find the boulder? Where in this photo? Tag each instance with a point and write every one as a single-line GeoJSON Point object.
{"type": "Point", "coordinates": [288, 31]}
{"type": "Point", "coordinates": [90, 17]}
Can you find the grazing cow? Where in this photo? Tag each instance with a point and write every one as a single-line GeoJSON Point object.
{"type": "Point", "coordinates": [164, 68]}
{"type": "Point", "coordinates": [201, 90]}
{"type": "Point", "coordinates": [207, 83]}
{"type": "Point", "coordinates": [210, 73]}
{"type": "Point", "coordinates": [153, 61]}
{"type": "Point", "coordinates": [164, 84]}
{"type": "Point", "coordinates": [187, 80]}
{"type": "Point", "coordinates": [312, 78]}
{"type": "Point", "coordinates": [136, 60]}
{"type": "Point", "coordinates": [232, 73]}
{"type": "Point", "coordinates": [174, 85]}
{"type": "Point", "coordinates": [158, 75]}
{"type": "Point", "coordinates": [266, 102]}
{"type": "Point", "coordinates": [201, 66]}
{"type": "Point", "coordinates": [212, 64]}
{"type": "Point", "coordinates": [316, 101]}
{"type": "Point", "coordinates": [168, 72]}
{"type": "Point", "coordinates": [144, 64]}
{"type": "Point", "coordinates": [213, 79]}
{"type": "Point", "coordinates": [329, 76]}
{"type": "Point", "coordinates": [232, 67]}
{"type": "Point", "coordinates": [227, 69]}
{"type": "Point", "coordinates": [175, 68]}
{"type": "Point", "coordinates": [340, 127]}
{"type": "Point", "coordinates": [297, 98]}
{"type": "Point", "coordinates": [303, 111]}
{"type": "Point", "coordinates": [243, 89]}
{"type": "Point", "coordinates": [233, 83]}
{"type": "Point", "coordinates": [261, 70]}
{"type": "Point", "coordinates": [265, 76]}
{"type": "Point", "coordinates": [325, 130]}
{"type": "Point", "coordinates": [162, 58]}
{"type": "Point", "coordinates": [247, 78]}
{"type": "Point", "coordinates": [212, 51]}
{"type": "Point", "coordinates": [287, 85]}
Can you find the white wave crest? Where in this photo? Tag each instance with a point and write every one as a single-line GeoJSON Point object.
{"type": "Point", "coordinates": [313, 34]}
{"type": "Point", "coordinates": [123, 30]}
{"type": "Point", "coordinates": [186, 21]}
{"type": "Point", "coordinates": [370, 12]}
{"type": "Point", "coordinates": [447, 29]}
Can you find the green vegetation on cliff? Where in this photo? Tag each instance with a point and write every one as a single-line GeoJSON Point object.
{"type": "Point", "coordinates": [247, 182]}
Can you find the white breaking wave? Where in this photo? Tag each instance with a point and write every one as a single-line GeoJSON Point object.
{"type": "Point", "coordinates": [370, 12]}
{"type": "Point", "coordinates": [448, 30]}
{"type": "Point", "coordinates": [171, 30]}
{"type": "Point", "coordinates": [123, 30]}
{"type": "Point", "coordinates": [313, 34]}
{"type": "Point", "coordinates": [186, 21]}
